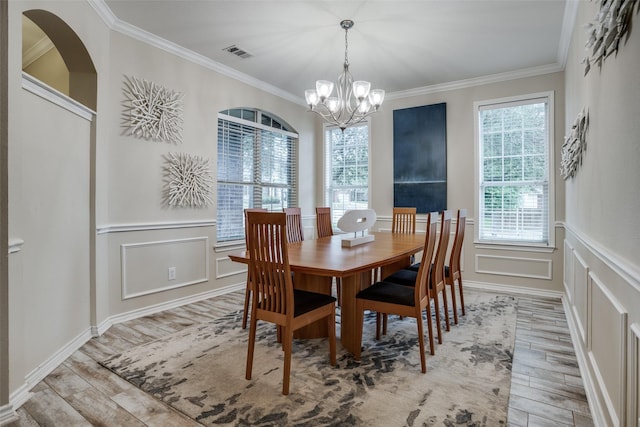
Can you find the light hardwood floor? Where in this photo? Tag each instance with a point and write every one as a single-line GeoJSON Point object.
{"type": "Point", "coordinates": [546, 387]}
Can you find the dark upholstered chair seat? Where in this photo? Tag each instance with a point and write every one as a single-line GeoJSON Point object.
{"type": "Point", "coordinates": [404, 277]}
{"type": "Point", "coordinates": [306, 301]}
{"type": "Point", "coordinates": [388, 292]}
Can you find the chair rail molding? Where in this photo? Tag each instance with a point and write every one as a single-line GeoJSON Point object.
{"type": "Point", "coordinates": [122, 228]}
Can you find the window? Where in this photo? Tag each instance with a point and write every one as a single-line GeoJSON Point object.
{"type": "Point", "coordinates": [515, 191]}
{"type": "Point", "coordinates": [257, 167]}
{"type": "Point", "coordinates": [346, 169]}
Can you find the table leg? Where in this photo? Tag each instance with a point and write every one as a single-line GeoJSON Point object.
{"type": "Point", "coordinates": [351, 285]}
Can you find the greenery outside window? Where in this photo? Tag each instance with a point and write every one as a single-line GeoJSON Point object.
{"type": "Point", "coordinates": [515, 173]}
{"type": "Point", "coordinates": [346, 181]}
{"type": "Point", "coordinates": [257, 167]}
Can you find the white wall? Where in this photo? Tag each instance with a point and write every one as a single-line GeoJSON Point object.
{"type": "Point", "coordinates": [602, 261]}
{"type": "Point", "coordinates": [86, 199]}
{"type": "Point", "coordinates": [506, 269]}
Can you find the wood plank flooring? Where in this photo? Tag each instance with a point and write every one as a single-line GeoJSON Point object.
{"type": "Point", "coordinates": [546, 388]}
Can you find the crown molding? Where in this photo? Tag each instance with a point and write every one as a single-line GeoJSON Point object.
{"type": "Point", "coordinates": [139, 34]}
{"type": "Point", "coordinates": [41, 47]}
{"type": "Point", "coordinates": [115, 24]}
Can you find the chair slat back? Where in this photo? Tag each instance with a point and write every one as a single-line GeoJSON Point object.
{"type": "Point", "coordinates": [294, 224]}
{"type": "Point", "coordinates": [422, 283]}
{"type": "Point", "coordinates": [323, 222]}
{"type": "Point", "coordinates": [245, 220]}
{"type": "Point", "coordinates": [437, 273]}
{"type": "Point", "coordinates": [269, 262]}
{"type": "Point", "coordinates": [456, 250]}
{"type": "Point", "coordinates": [404, 220]}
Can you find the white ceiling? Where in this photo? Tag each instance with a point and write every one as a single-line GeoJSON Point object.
{"type": "Point", "coordinates": [398, 45]}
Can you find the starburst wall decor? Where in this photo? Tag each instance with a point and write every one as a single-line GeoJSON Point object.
{"type": "Point", "coordinates": [152, 111]}
{"type": "Point", "coordinates": [604, 33]}
{"type": "Point", "coordinates": [188, 181]}
{"type": "Point", "coordinates": [574, 146]}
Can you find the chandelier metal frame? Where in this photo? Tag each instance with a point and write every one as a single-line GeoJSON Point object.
{"type": "Point", "coordinates": [354, 101]}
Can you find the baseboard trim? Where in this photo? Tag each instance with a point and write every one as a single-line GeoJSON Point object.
{"type": "Point", "coordinates": [518, 290]}
{"type": "Point", "coordinates": [146, 311]}
{"type": "Point", "coordinates": [7, 414]}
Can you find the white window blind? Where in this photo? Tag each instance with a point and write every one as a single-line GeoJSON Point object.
{"type": "Point", "coordinates": [514, 170]}
{"type": "Point", "coordinates": [257, 168]}
{"type": "Point", "coordinates": [346, 169]}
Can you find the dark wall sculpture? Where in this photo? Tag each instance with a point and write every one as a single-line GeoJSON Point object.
{"type": "Point", "coordinates": [420, 157]}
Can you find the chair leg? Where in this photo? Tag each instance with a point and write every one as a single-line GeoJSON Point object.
{"type": "Point", "coordinates": [332, 337]}
{"type": "Point", "coordinates": [385, 318]}
{"type": "Point", "coordinates": [453, 301]}
{"type": "Point", "coordinates": [423, 357]}
{"type": "Point", "coordinates": [430, 327]}
{"type": "Point", "coordinates": [287, 344]}
{"type": "Point", "coordinates": [461, 294]}
{"type": "Point", "coordinates": [445, 306]}
{"type": "Point", "coordinates": [378, 325]}
{"type": "Point", "coordinates": [250, 347]}
{"type": "Point", "coordinates": [359, 327]}
{"type": "Point", "coordinates": [436, 304]}
{"type": "Point", "coordinates": [247, 298]}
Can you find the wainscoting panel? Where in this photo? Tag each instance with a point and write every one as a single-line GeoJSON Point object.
{"type": "Point", "coordinates": [225, 267]}
{"type": "Point", "coordinates": [568, 271]}
{"type": "Point", "coordinates": [580, 273]}
{"type": "Point", "coordinates": [145, 266]}
{"type": "Point", "coordinates": [608, 347]}
{"type": "Point", "coordinates": [514, 266]}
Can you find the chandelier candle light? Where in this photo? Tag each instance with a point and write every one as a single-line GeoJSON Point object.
{"type": "Point", "coordinates": [354, 101]}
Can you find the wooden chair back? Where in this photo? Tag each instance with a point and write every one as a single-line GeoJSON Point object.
{"type": "Point", "coordinates": [245, 220]}
{"type": "Point", "coordinates": [437, 272]}
{"type": "Point", "coordinates": [269, 264]}
{"type": "Point", "coordinates": [422, 280]}
{"type": "Point", "coordinates": [404, 220]}
{"type": "Point", "coordinates": [456, 250]}
{"type": "Point", "coordinates": [323, 222]}
{"type": "Point", "coordinates": [294, 224]}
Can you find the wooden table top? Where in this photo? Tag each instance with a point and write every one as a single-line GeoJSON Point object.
{"type": "Point", "coordinates": [327, 257]}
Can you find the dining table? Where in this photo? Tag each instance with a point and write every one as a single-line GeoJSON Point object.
{"type": "Point", "coordinates": [316, 262]}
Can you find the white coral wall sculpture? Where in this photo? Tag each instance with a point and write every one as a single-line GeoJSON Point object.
{"type": "Point", "coordinates": [604, 33]}
{"type": "Point", "coordinates": [152, 111]}
{"type": "Point", "coordinates": [188, 181]}
{"type": "Point", "coordinates": [574, 146]}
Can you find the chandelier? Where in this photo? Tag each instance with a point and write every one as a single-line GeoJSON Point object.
{"type": "Point", "coordinates": [354, 100]}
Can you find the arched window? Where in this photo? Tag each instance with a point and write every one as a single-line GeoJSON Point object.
{"type": "Point", "coordinates": [257, 167]}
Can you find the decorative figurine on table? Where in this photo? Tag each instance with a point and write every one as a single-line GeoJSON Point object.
{"type": "Point", "coordinates": [354, 221]}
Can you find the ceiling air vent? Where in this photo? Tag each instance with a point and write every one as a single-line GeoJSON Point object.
{"type": "Point", "coordinates": [235, 50]}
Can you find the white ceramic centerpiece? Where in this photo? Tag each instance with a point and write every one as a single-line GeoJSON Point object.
{"type": "Point", "coordinates": [354, 221]}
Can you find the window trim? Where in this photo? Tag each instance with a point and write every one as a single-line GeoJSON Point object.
{"type": "Point", "coordinates": [325, 128]}
{"type": "Point", "coordinates": [477, 106]}
{"type": "Point", "coordinates": [257, 125]}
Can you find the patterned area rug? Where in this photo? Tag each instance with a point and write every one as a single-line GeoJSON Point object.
{"type": "Point", "coordinates": [200, 372]}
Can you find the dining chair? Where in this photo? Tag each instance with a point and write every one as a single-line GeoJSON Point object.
{"type": "Point", "coordinates": [247, 292]}
{"type": "Point", "coordinates": [294, 225]}
{"type": "Point", "coordinates": [274, 298]}
{"type": "Point", "coordinates": [408, 277]}
{"type": "Point", "coordinates": [452, 272]}
{"type": "Point", "coordinates": [325, 229]}
{"type": "Point", "coordinates": [406, 301]}
{"type": "Point", "coordinates": [404, 220]}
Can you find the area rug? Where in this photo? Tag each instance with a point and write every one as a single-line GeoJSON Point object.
{"type": "Point", "coordinates": [200, 371]}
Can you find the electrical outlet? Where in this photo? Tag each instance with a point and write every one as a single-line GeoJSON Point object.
{"type": "Point", "coordinates": [172, 273]}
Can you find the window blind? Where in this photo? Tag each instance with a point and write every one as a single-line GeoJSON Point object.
{"type": "Point", "coordinates": [514, 171]}
{"type": "Point", "coordinates": [257, 168]}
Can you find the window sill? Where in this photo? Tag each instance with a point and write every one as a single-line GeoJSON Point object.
{"type": "Point", "coordinates": [525, 247]}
